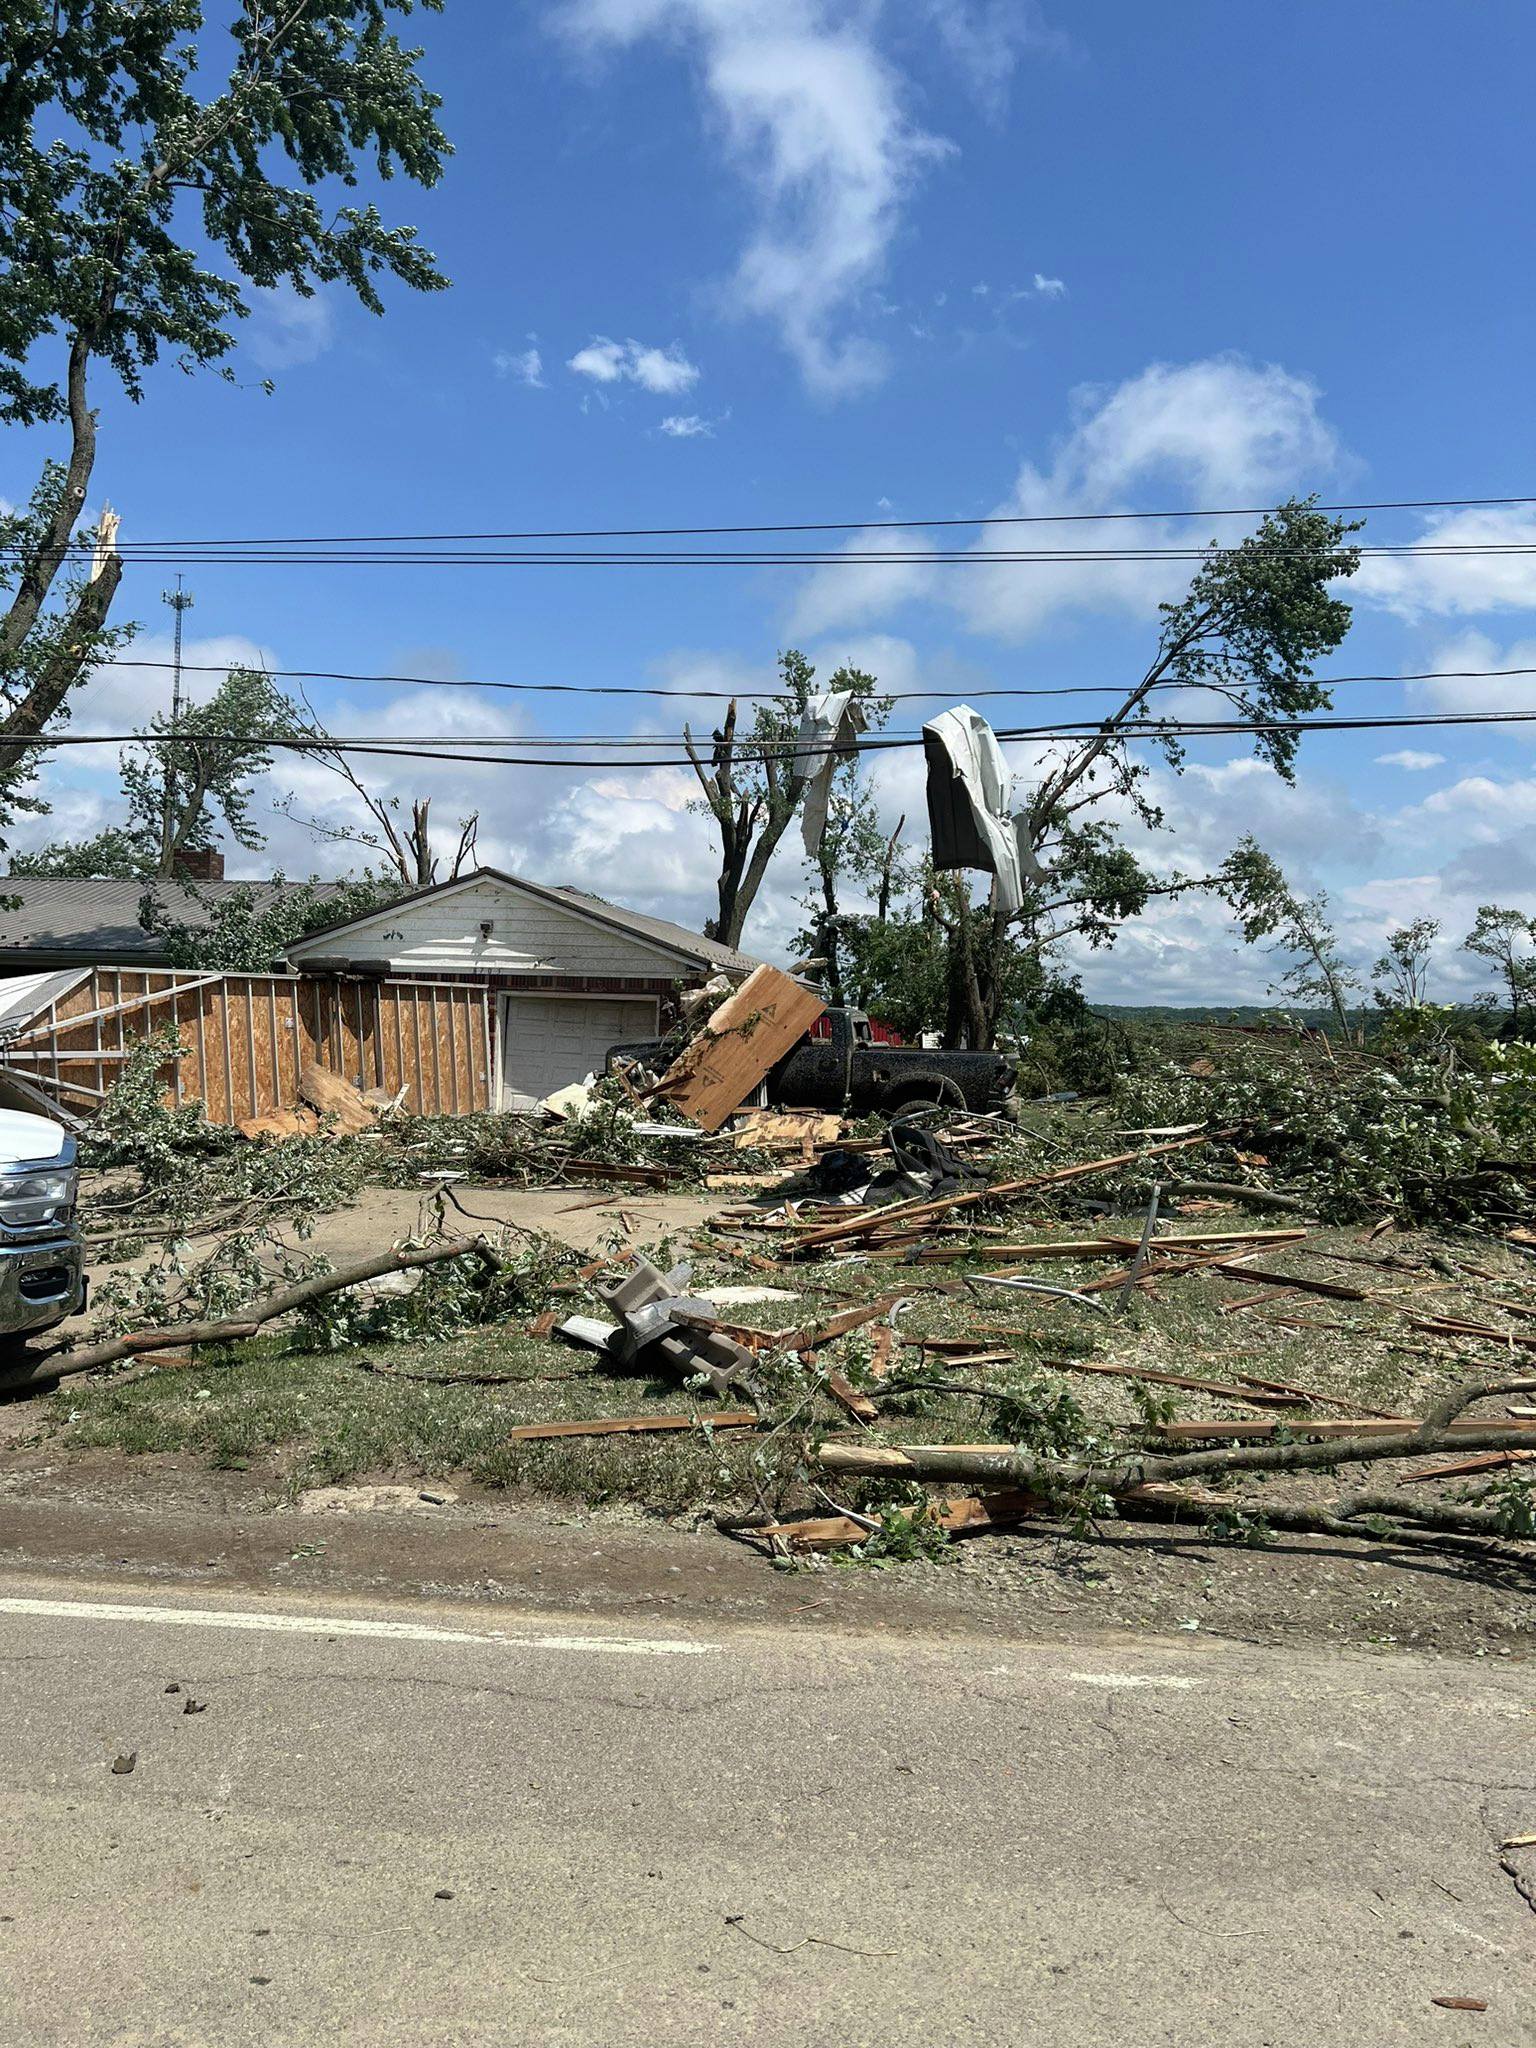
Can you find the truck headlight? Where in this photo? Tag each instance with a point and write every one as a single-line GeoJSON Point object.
{"type": "Point", "coordinates": [28, 1199]}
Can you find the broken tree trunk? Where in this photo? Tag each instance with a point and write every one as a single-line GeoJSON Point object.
{"type": "Point", "coordinates": [1001, 1466]}
{"type": "Point", "coordinates": [47, 1367]}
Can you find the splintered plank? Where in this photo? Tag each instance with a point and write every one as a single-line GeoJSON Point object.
{"type": "Point", "coordinates": [970, 1516]}
{"type": "Point", "coordinates": [750, 1032]}
{"type": "Point", "coordinates": [1467, 1468]}
{"type": "Point", "coordinates": [632, 1425]}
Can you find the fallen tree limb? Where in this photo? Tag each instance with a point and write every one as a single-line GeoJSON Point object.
{"type": "Point", "coordinates": [999, 1465]}
{"type": "Point", "coordinates": [1464, 1531]}
{"type": "Point", "coordinates": [1258, 1198]}
{"type": "Point", "coordinates": [47, 1367]}
{"type": "Point", "coordinates": [1256, 1394]}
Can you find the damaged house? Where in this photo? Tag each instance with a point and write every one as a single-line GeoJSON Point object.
{"type": "Point", "coordinates": [488, 992]}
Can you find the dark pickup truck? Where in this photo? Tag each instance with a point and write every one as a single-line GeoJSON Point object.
{"type": "Point", "coordinates": [850, 1072]}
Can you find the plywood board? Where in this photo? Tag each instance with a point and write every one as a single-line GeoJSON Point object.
{"type": "Point", "coordinates": [749, 1033]}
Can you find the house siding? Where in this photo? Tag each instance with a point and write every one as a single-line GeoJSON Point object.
{"type": "Point", "coordinates": [441, 934]}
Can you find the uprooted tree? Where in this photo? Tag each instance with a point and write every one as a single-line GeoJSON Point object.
{"type": "Point", "coordinates": [136, 213]}
{"type": "Point", "coordinates": [1248, 632]}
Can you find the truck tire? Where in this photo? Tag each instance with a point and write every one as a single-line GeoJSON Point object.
{"type": "Point", "coordinates": [925, 1092]}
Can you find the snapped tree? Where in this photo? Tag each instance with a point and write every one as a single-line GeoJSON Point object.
{"type": "Point", "coordinates": [1402, 972]}
{"type": "Point", "coordinates": [135, 211]}
{"type": "Point", "coordinates": [1256, 618]}
{"type": "Point", "coordinates": [753, 788]}
{"type": "Point", "coordinates": [382, 828]}
{"type": "Point", "coordinates": [1267, 906]}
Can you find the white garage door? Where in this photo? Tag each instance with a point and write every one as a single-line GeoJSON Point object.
{"type": "Point", "coordinates": [547, 1042]}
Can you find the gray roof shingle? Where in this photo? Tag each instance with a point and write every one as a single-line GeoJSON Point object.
{"type": "Point", "coordinates": [67, 920]}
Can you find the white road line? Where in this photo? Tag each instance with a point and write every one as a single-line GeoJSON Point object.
{"type": "Point", "coordinates": [278, 1623]}
{"type": "Point", "coordinates": [1120, 1678]}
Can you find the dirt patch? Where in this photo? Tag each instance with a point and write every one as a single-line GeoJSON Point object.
{"type": "Point", "coordinates": [162, 1521]}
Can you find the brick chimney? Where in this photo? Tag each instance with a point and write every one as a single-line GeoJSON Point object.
{"type": "Point", "coordinates": [203, 865]}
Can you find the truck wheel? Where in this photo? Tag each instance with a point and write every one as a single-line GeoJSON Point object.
{"type": "Point", "coordinates": [906, 1112]}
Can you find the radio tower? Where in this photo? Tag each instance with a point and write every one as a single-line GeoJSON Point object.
{"type": "Point", "coordinates": [179, 601]}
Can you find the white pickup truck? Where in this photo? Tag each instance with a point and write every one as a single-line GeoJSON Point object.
{"type": "Point", "coordinates": [42, 1264]}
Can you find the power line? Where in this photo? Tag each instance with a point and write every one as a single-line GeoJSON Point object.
{"type": "Point", "coordinates": [856, 525]}
{"type": "Point", "coordinates": [907, 558]}
{"type": "Point", "coordinates": [423, 747]}
{"type": "Point", "coordinates": [331, 675]}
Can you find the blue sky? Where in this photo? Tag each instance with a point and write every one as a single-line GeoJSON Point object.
{"type": "Point", "coordinates": [773, 260]}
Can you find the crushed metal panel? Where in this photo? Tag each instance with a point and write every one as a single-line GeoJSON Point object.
{"type": "Point", "coordinates": [969, 789]}
{"type": "Point", "coordinates": [22, 996]}
{"type": "Point", "coordinates": [829, 729]}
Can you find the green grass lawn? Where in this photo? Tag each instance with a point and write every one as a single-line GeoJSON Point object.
{"type": "Point", "coordinates": [305, 1419]}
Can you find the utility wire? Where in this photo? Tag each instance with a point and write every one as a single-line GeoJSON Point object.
{"type": "Point", "coordinates": [788, 559]}
{"type": "Point", "coordinates": [331, 675]}
{"type": "Point", "coordinates": [850, 525]}
{"type": "Point", "coordinates": [422, 747]}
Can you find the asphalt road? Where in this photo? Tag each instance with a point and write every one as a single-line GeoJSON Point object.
{"type": "Point", "coordinates": [399, 1826]}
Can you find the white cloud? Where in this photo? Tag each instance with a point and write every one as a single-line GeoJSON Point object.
{"type": "Point", "coordinates": [665, 371]}
{"type": "Point", "coordinates": [1049, 287]}
{"type": "Point", "coordinates": [125, 694]}
{"type": "Point", "coordinates": [1411, 759]}
{"type": "Point", "coordinates": [1451, 583]}
{"type": "Point", "coordinates": [527, 367]}
{"type": "Point", "coordinates": [285, 328]}
{"type": "Point", "coordinates": [813, 115]}
{"type": "Point", "coordinates": [1470, 680]}
{"type": "Point", "coordinates": [686, 426]}
{"type": "Point", "coordinates": [1216, 432]}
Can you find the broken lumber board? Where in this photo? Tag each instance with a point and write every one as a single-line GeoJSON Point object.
{"type": "Point", "coordinates": [1453, 1326]}
{"type": "Point", "coordinates": [1219, 1389]}
{"type": "Point", "coordinates": [748, 1034]}
{"type": "Point", "coordinates": [1362, 1425]}
{"type": "Point", "coordinates": [842, 1390]}
{"type": "Point", "coordinates": [909, 1212]}
{"type": "Point", "coordinates": [969, 1516]}
{"type": "Point", "coordinates": [636, 1176]}
{"type": "Point", "coordinates": [337, 1098]}
{"type": "Point", "coordinates": [1336, 1290]}
{"type": "Point", "coordinates": [633, 1425]}
{"type": "Point", "coordinates": [1467, 1468]}
{"type": "Point", "coordinates": [1117, 1247]}
{"type": "Point", "coordinates": [785, 1130]}
{"type": "Point", "coordinates": [1246, 1301]}
{"type": "Point", "coordinates": [280, 1123]}
{"type": "Point", "coordinates": [816, 1334]}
